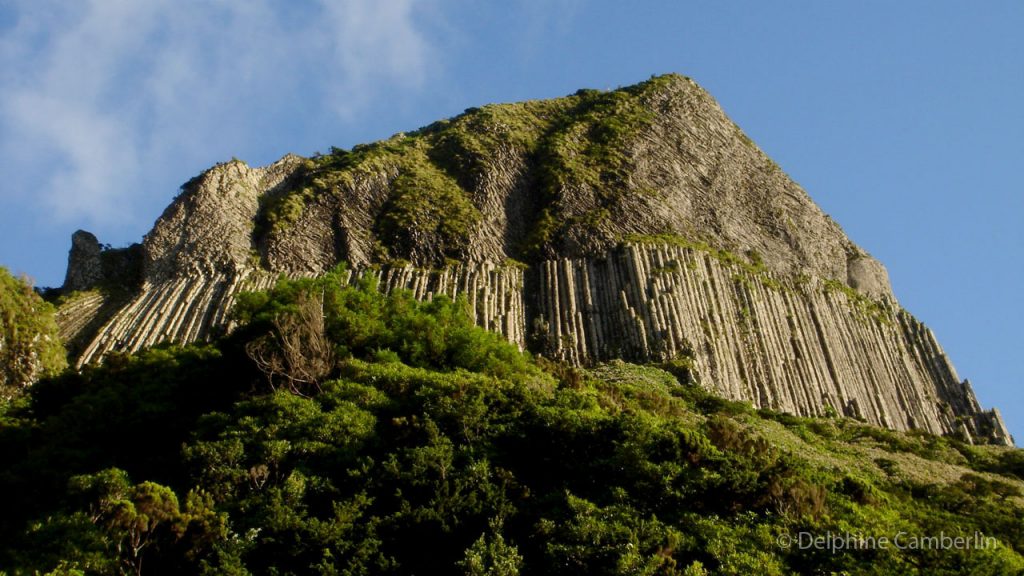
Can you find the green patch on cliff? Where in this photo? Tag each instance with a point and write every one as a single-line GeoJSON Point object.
{"type": "Point", "coordinates": [750, 269]}
{"type": "Point", "coordinates": [590, 146]}
{"type": "Point", "coordinates": [323, 174]}
{"type": "Point", "coordinates": [428, 216]}
{"type": "Point", "coordinates": [864, 305]}
{"type": "Point", "coordinates": [281, 211]}
{"type": "Point", "coordinates": [278, 211]}
{"type": "Point", "coordinates": [29, 345]}
{"type": "Point", "coordinates": [466, 145]}
{"type": "Point", "coordinates": [579, 140]}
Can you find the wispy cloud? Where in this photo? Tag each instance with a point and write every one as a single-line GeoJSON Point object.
{"type": "Point", "coordinates": [97, 97]}
{"type": "Point", "coordinates": [376, 43]}
{"type": "Point", "coordinates": [544, 18]}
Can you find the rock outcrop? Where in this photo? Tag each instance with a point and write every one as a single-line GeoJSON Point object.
{"type": "Point", "coordinates": [798, 346]}
{"type": "Point", "coordinates": [638, 224]}
{"type": "Point", "coordinates": [85, 266]}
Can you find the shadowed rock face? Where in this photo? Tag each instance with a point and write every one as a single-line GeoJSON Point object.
{"type": "Point", "coordinates": [645, 225]}
{"type": "Point", "coordinates": [85, 268]}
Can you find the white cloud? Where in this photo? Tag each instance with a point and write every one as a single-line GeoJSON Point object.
{"type": "Point", "coordinates": [377, 42]}
{"type": "Point", "coordinates": [98, 98]}
{"type": "Point", "coordinates": [88, 150]}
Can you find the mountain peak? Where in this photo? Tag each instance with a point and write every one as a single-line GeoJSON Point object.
{"type": "Point", "coordinates": [637, 223]}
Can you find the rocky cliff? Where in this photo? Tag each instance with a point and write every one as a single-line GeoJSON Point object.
{"type": "Point", "coordinates": [639, 223]}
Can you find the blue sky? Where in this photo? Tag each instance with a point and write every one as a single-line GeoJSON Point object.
{"type": "Point", "coordinates": [903, 120]}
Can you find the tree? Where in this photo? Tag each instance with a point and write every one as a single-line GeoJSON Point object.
{"type": "Point", "coordinates": [490, 555]}
{"type": "Point", "coordinates": [132, 516]}
{"type": "Point", "coordinates": [297, 349]}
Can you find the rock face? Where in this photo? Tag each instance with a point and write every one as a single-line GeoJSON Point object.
{"type": "Point", "coordinates": [85, 268]}
{"type": "Point", "coordinates": [638, 224]}
{"type": "Point", "coordinates": [801, 347]}
{"type": "Point", "coordinates": [198, 256]}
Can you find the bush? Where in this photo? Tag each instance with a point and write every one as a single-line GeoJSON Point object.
{"type": "Point", "coordinates": [30, 347]}
{"type": "Point", "coordinates": [361, 322]}
{"type": "Point", "coordinates": [431, 445]}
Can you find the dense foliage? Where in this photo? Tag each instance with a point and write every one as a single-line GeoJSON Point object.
{"type": "Point", "coordinates": [29, 345]}
{"type": "Point", "coordinates": [419, 443]}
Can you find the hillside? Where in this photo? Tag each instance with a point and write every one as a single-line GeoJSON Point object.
{"type": "Point", "coordinates": [598, 334]}
{"type": "Point", "coordinates": [30, 347]}
{"type": "Point", "coordinates": [638, 224]}
{"type": "Point", "coordinates": [339, 430]}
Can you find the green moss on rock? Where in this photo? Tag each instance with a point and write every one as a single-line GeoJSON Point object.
{"type": "Point", "coordinates": [860, 303]}
{"type": "Point", "coordinates": [750, 268]}
{"type": "Point", "coordinates": [582, 140]}
{"type": "Point", "coordinates": [428, 216]}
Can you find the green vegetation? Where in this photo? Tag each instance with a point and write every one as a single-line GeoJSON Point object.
{"type": "Point", "coordinates": [464, 145]}
{"type": "Point", "coordinates": [281, 211]}
{"type": "Point", "coordinates": [580, 140]}
{"type": "Point", "coordinates": [867, 307]}
{"type": "Point", "coordinates": [341, 431]}
{"type": "Point", "coordinates": [750, 269]}
{"type": "Point", "coordinates": [589, 146]}
{"type": "Point", "coordinates": [427, 211]}
{"type": "Point", "coordinates": [29, 345]}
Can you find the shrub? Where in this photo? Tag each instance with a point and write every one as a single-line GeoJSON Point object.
{"type": "Point", "coordinates": [359, 321]}
{"type": "Point", "coordinates": [30, 347]}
